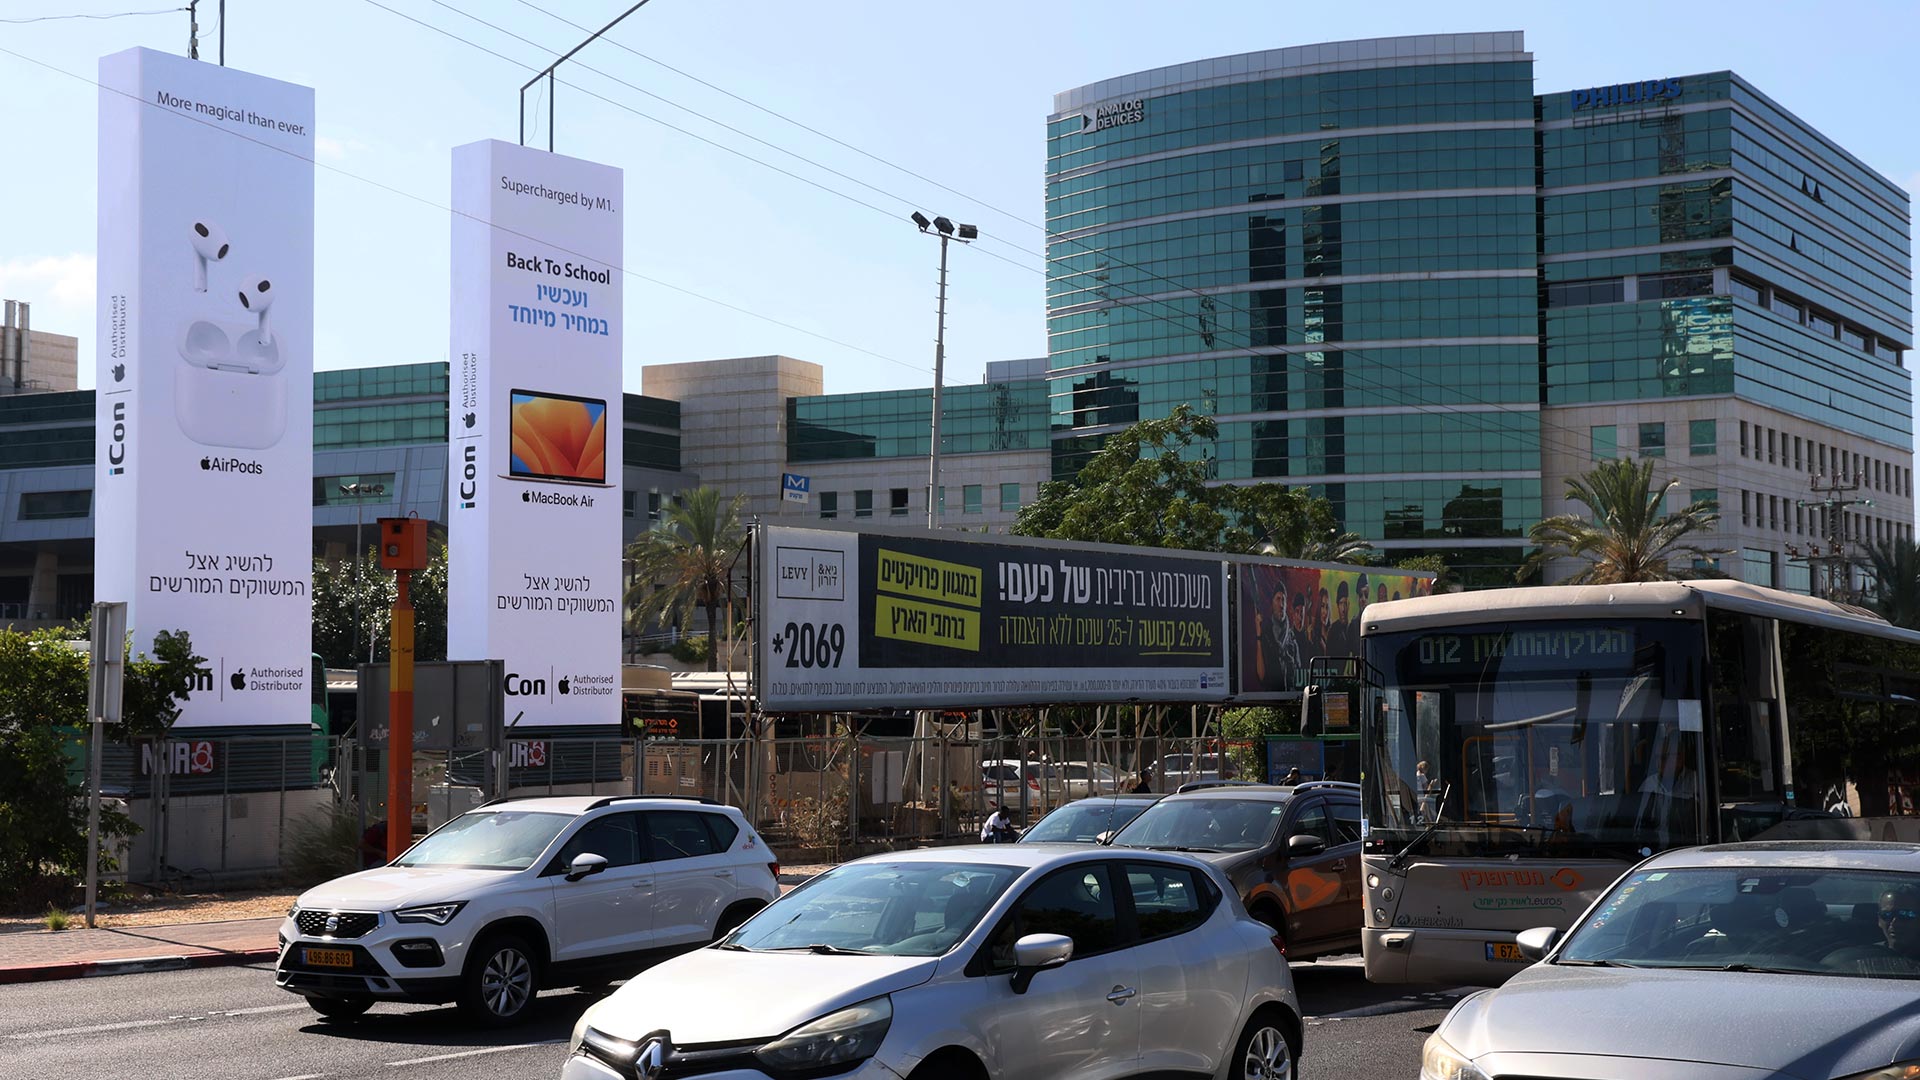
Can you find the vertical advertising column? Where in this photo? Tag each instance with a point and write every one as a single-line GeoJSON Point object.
{"type": "Point", "coordinates": [535, 448]}
{"type": "Point", "coordinates": [204, 468]}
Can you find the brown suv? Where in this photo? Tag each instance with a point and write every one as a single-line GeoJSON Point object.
{"type": "Point", "coordinates": [1293, 853]}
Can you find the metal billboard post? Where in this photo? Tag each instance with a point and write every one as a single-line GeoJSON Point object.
{"type": "Point", "coordinates": [105, 682]}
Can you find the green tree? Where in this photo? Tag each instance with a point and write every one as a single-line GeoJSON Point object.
{"type": "Point", "coordinates": [1625, 536]}
{"type": "Point", "coordinates": [43, 724]}
{"type": "Point", "coordinates": [1148, 487]}
{"type": "Point", "coordinates": [686, 563]}
{"type": "Point", "coordinates": [1896, 581]}
{"type": "Point", "coordinates": [334, 591]}
{"type": "Point", "coordinates": [1444, 579]}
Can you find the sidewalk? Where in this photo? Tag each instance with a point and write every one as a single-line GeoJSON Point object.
{"type": "Point", "coordinates": [38, 956]}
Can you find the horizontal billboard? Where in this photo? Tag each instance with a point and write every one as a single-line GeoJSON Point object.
{"type": "Point", "coordinates": [871, 620]}
{"type": "Point", "coordinates": [1290, 614]}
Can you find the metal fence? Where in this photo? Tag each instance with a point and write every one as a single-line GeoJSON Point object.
{"type": "Point", "coordinates": [212, 810]}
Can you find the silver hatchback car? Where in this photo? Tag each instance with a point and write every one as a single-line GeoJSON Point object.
{"type": "Point", "coordinates": [1797, 960]}
{"type": "Point", "coordinates": [1010, 962]}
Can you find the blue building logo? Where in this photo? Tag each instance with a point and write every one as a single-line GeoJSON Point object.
{"type": "Point", "coordinates": [794, 488]}
{"type": "Point", "coordinates": [1638, 93]}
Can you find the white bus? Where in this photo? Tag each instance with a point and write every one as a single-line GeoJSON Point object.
{"type": "Point", "coordinates": [1523, 747]}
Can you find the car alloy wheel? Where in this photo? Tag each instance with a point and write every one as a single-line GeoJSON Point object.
{"type": "Point", "coordinates": [1267, 1055]}
{"type": "Point", "coordinates": [504, 985]}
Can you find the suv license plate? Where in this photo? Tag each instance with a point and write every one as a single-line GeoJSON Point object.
{"type": "Point", "coordinates": [339, 958]}
{"type": "Point", "coordinates": [1505, 950]}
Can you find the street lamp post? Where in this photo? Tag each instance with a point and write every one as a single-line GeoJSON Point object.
{"type": "Point", "coordinates": [945, 231]}
{"type": "Point", "coordinates": [358, 491]}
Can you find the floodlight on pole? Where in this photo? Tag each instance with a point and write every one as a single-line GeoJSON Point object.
{"type": "Point", "coordinates": [945, 231]}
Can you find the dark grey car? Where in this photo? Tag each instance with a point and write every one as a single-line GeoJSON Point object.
{"type": "Point", "coordinates": [1788, 959]}
{"type": "Point", "coordinates": [1293, 853]}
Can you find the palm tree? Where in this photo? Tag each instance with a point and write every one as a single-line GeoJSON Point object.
{"type": "Point", "coordinates": [1291, 524]}
{"type": "Point", "coordinates": [1896, 581]}
{"type": "Point", "coordinates": [1625, 537]}
{"type": "Point", "coordinates": [687, 562]}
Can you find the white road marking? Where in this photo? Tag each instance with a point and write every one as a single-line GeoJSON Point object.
{"type": "Point", "coordinates": [474, 1053]}
{"type": "Point", "coordinates": [127, 1025]}
{"type": "Point", "coordinates": [307, 1076]}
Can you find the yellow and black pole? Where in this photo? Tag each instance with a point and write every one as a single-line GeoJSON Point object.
{"type": "Point", "coordinates": [403, 549]}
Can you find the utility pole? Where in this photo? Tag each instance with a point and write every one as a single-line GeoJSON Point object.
{"type": "Point", "coordinates": [403, 550]}
{"type": "Point", "coordinates": [1831, 564]}
{"type": "Point", "coordinates": [944, 229]}
{"type": "Point", "coordinates": [193, 29]}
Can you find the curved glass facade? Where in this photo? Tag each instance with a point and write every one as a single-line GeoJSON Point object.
{"type": "Point", "coordinates": [1398, 277]}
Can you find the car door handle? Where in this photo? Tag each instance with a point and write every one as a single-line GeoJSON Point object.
{"type": "Point", "coordinates": [1120, 995]}
{"type": "Point", "coordinates": [644, 884]}
{"type": "Point", "coordinates": [1339, 864]}
{"type": "Point", "coordinates": [723, 873]}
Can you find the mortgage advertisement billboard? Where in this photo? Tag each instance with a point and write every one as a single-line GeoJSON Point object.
{"type": "Point", "coordinates": [862, 620]}
{"type": "Point", "coordinates": [534, 447]}
{"type": "Point", "coordinates": [1287, 615]}
{"type": "Point", "coordinates": [204, 374]}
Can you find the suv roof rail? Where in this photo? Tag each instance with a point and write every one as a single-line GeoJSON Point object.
{"type": "Point", "coordinates": [611, 799]}
{"type": "Point", "coordinates": [1346, 784]}
{"type": "Point", "coordinates": [1204, 785]}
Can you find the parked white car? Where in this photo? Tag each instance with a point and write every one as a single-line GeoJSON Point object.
{"type": "Point", "coordinates": [1007, 962]}
{"type": "Point", "coordinates": [1088, 778]}
{"type": "Point", "coordinates": [525, 894]}
{"type": "Point", "coordinates": [1002, 780]}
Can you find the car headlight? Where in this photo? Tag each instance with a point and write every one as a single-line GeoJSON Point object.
{"type": "Point", "coordinates": [617, 1052]}
{"type": "Point", "coordinates": [437, 914]}
{"type": "Point", "coordinates": [836, 1039]}
{"type": "Point", "coordinates": [1438, 1061]}
{"type": "Point", "coordinates": [1904, 1070]}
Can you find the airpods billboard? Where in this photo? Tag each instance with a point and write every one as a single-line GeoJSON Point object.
{"type": "Point", "coordinates": [535, 448]}
{"type": "Point", "coordinates": [203, 472]}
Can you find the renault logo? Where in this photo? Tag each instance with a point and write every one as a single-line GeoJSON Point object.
{"type": "Point", "coordinates": [333, 923]}
{"type": "Point", "coordinates": [651, 1062]}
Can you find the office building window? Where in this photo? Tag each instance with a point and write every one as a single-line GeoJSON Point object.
{"type": "Point", "coordinates": [1758, 566]}
{"type": "Point", "coordinates": [1746, 290]}
{"type": "Point", "coordinates": [1746, 508]}
{"type": "Point", "coordinates": [1703, 437]}
{"type": "Point", "coordinates": [897, 502]}
{"type": "Point", "coordinates": [1653, 440]}
{"type": "Point", "coordinates": [1743, 438]}
{"type": "Point", "coordinates": [54, 505]}
{"type": "Point", "coordinates": [1796, 454]}
{"type": "Point", "coordinates": [829, 504]}
{"type": "Point", "coordinates": [653, 506]}
{"type": "Point", "coordinates": [626, 503]}
{"type": "Point", "coordinates": [970, 499]}
{"type": "Point", "coordinates": [1009, 498]}
{"type": "Point", "coordinates": [1606, 442]}
{"type": "Point", "coordinates": [863, 503]}
{"type": "Point", "coordinates": [1706, 495]}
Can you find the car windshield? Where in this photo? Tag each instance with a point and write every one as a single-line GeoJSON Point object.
{"type": "Point", "coordinates": [1083, 822]}
{"type": "Point", "coordinates": [881, 908]}
{"type": "Point", "coordinates": [1204, 825]}
{"type": "Point", "coordinates": [488, 840]}
{"type": "Point", "coordinates": [1815, 921]}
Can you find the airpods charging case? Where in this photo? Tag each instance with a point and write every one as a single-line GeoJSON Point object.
{"type": "Point", "coordinates": [229, 393]}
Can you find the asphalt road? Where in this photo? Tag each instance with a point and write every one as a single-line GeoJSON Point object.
{"type": "Point", "coordinates": [234, 1024]}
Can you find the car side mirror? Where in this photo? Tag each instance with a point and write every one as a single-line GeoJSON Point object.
{"type": "Point", "coordinates": [1035, 953]}
{"type": "Point", "coordinates": [1305, 844]}
{"type": "Point", "coordinates": [585, 864]}
{"type": "Point", "coordinates": [1537, 942]}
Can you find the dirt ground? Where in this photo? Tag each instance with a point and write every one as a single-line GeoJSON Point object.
{"type": "Point", "coordinates": [163, 910]}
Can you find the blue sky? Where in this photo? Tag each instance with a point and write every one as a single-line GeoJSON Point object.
{"type": "Point", "coordinates": [957, 92]}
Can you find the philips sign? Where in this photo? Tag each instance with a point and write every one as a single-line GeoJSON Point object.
{"type": "Point", "coordinates": [1639, 93]}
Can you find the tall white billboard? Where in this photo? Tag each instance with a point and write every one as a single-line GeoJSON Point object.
{"type": "Point", "coordinates": [535, 448]}
{"type": "Point", "coordinates": [203, 472]}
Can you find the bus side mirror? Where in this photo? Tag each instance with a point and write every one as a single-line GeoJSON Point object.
{"type": "Point", "coordinates": [1312, 706]}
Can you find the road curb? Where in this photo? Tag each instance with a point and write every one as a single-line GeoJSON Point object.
{"type": "Point", "coordinates": [90, 969]}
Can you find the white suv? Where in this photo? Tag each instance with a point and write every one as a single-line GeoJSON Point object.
{"type": "Point", "coordinates": [524, 894]}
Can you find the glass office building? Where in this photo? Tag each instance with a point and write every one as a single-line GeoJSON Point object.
{"type": "Point", "coordinates": [1396, 276]}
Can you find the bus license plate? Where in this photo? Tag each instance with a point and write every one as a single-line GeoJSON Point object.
{"type": "Point", "coordinates": [1505, 950]}
{"type": "Point", "coordinates": [336, 958]}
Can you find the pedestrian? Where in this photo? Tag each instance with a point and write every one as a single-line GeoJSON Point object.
{"type": "Point", "coordinates": [1145, 784]}
{"type": "Point", "coordinates": [999, 827]}
{"type": "Point", "coordinates": [1292, 777]}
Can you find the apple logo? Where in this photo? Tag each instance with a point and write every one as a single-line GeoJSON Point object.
{"type": "Point", "coordinates": [526, 496]}
{"type": "Point", "coordinates": [206, 463]}
{"type": "Point", "coordinates": [238, 681]}
{"type": "Point", "coordinates": [119, 372]}
{"type": "Point", "coordinates": [563, 685]}
{"type": "Point", "coordinates": [469, 419]}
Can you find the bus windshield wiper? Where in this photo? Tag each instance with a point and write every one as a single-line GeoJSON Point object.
{"type": "Point", "coordinates": [1399, 862]}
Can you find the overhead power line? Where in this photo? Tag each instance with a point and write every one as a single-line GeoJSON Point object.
{"type": "Point", "coordinates": [95, 15]}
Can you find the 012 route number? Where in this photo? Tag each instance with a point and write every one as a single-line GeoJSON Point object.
{"type": "Point", "coordinates": [807, 645]}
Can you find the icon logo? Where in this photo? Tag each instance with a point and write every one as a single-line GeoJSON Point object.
{"type": "Point", "coordinates": [117, 446]}
{"type": "Point", "coordinates": [238, 681]}
{"type": "Point", "coordinates": [333, 923]}
{"type": "Point", "coordinates": [119, 372]}
{"type": "Point", "coordinates": [469, 419]}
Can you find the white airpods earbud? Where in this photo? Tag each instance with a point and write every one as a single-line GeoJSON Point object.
{"type": "Point", "coordinates": [257, 297]}
{"type": "Point", "coordinates": [209, 245]}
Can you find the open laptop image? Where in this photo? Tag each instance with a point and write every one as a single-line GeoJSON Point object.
{"type": "Point", "coordinates": [557, 438]}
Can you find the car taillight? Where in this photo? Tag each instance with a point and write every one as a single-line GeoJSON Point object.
{"type": "Point", "coordinates": [1033, 783]}
{"type": "Point", "coordinates": [775, 867]}
{"type": "Point", "coordinates": [1280, 943]}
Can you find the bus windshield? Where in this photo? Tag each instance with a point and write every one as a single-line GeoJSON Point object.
{"type": "Point", "coordinates": [1573, 738]}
